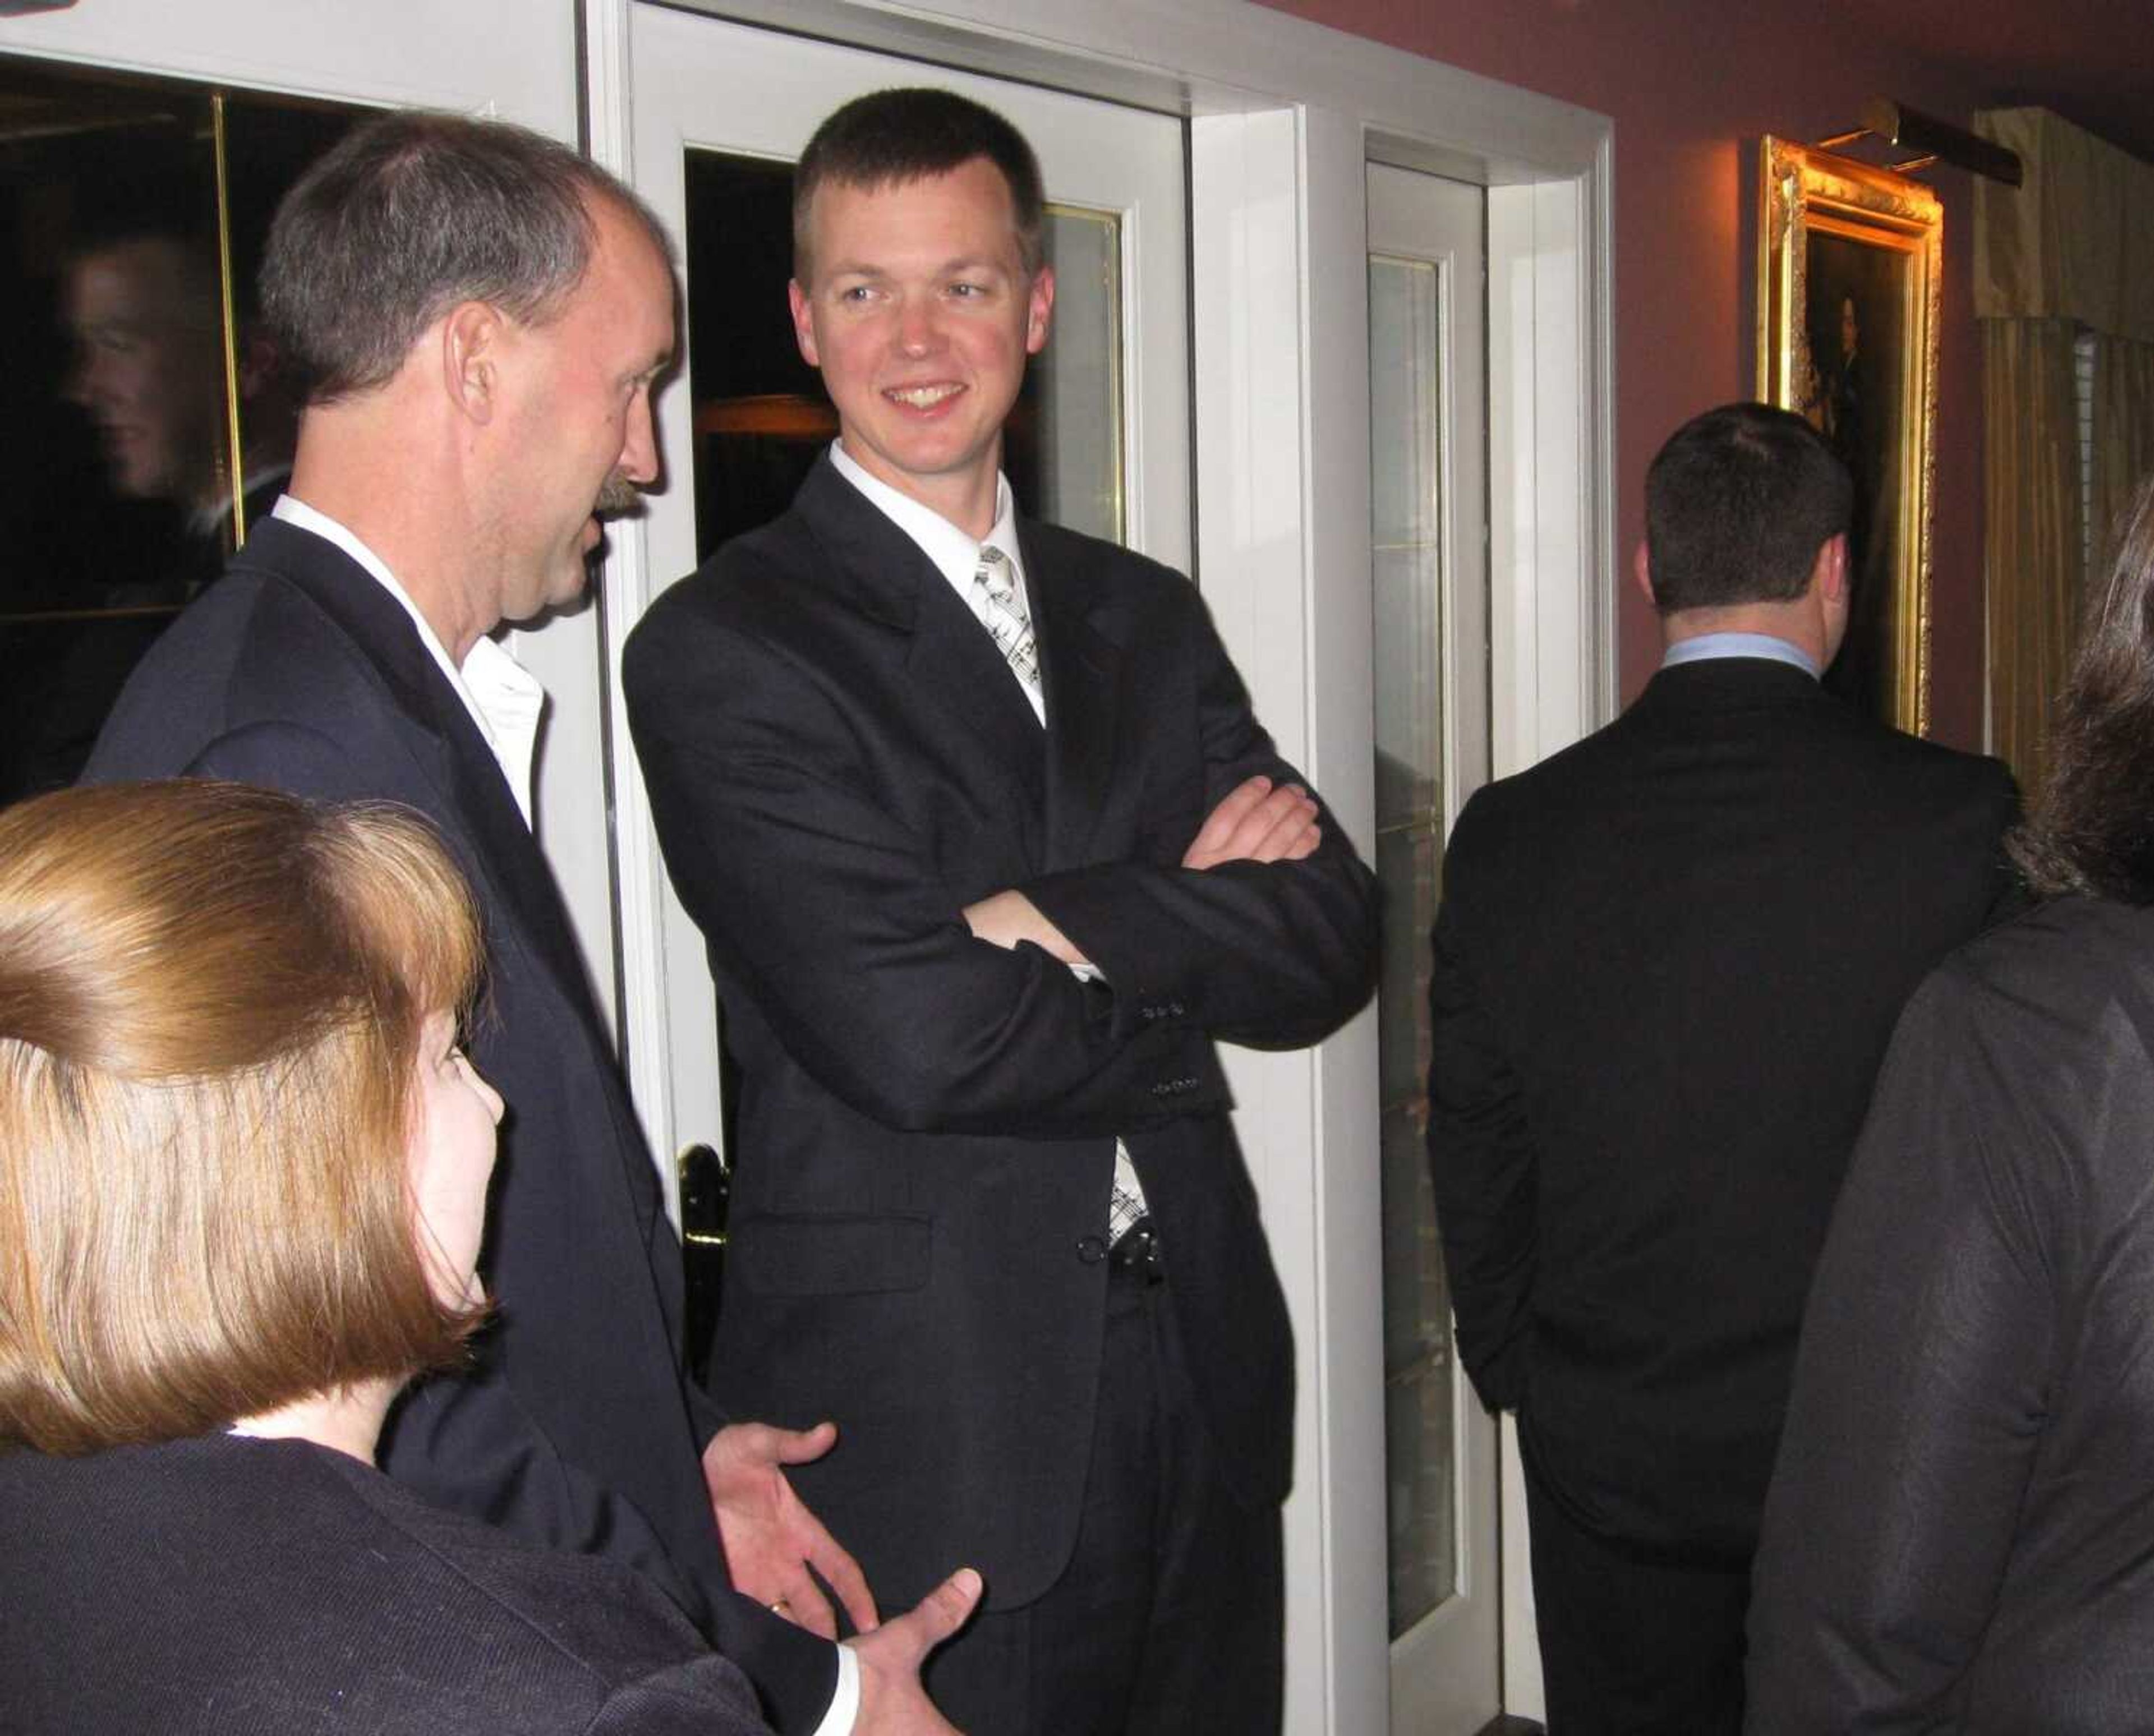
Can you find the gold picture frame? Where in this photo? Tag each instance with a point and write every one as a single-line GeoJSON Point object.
{"type": "Point", "coordinates": [1849, 276]}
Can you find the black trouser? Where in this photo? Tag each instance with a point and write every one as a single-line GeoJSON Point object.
{"type": "Point", "coordinates": [1168, 1619]}
{"type": "Point", "coordinates": [1631, 1646]}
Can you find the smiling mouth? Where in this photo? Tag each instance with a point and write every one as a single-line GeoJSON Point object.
{"type": "Point", "coordinates": [923, 397]}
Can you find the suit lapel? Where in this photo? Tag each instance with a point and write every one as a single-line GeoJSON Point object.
{"type": "Point", "coordinates": [443, 738]}
{"type": "Point", "coordinates": [1081, 669]}
{"type": "Point", "coordinates": [951, 661]}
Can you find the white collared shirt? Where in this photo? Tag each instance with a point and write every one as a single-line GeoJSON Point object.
{"type": "Point", "coordinates": [955, 555]}
{"type": "Point", "coordinates": [505, 699]}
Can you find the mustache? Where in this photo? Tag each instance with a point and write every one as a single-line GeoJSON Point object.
{"type": "Point", "coordinates": [617, 497]}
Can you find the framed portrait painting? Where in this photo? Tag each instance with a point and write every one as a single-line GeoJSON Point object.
{"type": "Point", "coordinates": [1848, 278]}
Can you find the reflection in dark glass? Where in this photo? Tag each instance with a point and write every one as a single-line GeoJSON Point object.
{"type": "Point", "coordinates": [114, 364]}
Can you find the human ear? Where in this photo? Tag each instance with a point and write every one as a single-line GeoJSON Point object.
{"type": "Point", "coordinates": [804, 322]}
{"type": "Point", "coordinates": [472, 339]}
{"type": "Point", "coordinates": [1829, 573]}
{"type": "Point", "coordinates": [1642, 572]}
{"type": "Point", "coordinates": [1040, 309]}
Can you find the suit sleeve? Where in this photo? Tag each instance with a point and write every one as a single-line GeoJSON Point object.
{"type": "Point", "coordinates": [1272, 955]}
{"type": "Point", "coordinates": [816, 899]}
{"type": "Point", "coordinates": [703, 1697]}
{"type": "Point", "coordinates": [1919, 1396]}
{"type": "Point", "coordinates": [1482, 1168]}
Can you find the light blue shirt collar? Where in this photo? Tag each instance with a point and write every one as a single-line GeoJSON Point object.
{"type": "Point", "coordinates": [1706, 646]}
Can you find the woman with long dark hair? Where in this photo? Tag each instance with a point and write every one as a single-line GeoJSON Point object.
{"type": "Point", "coordinates": [1960, 1533]}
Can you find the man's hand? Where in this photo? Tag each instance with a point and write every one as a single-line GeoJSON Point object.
{"type": "Point", "coordinates": [892, 1701]}
{"type": "Point", "coordinates": [1007, 918]}
{"type": "Point", "coordinates": [770, 1537]}
{"type": "Point", "coordinates": [1256, 823]}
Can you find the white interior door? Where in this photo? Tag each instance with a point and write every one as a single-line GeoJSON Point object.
{"type": "Point", "coordinates": [1428, 533]}
{"type": "Point", "coordinates": [1118, 362]}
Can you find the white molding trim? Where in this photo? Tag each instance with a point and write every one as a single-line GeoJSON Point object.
{"type": "Point", "coordinates": [486, 57]}
{"type": "Point", "coordinates": [625, 592]}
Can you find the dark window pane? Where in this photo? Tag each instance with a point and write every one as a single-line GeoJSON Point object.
{"type": "Point", "coordinates": [113, 368]}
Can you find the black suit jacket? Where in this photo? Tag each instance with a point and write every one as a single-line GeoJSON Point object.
{"type": "Point", "coordinates": [298, 670]}
{"type": "Point", "coordinates": [840, 761]}
{"type": "Point", "coordinates": [1667, 964]}
{"type": "Point", "coordinates": [233, 1587]}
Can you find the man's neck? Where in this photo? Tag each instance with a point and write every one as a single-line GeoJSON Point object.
{"type": "Point", "coordinates": [1794, 621]}
{"type": "Point", "coordinates": [966, 500]}
{"type": "Point", "coordinates": [389, 506]}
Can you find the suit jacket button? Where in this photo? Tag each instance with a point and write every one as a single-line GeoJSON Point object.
{"type": "Point", "coordinates": [1161, 1088]}
{"type": "Point", "coordinates": [1092, 1249]}
{"type": "Point", "coordinates": [1175, 1008]}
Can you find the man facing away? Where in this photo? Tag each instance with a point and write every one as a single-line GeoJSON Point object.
{"type": "Point", "coordinates": [1667, 964]}
{"type": "Point", "coordinates": [480, 315]}
{"type": "Point", "coordinates": [987, 847]}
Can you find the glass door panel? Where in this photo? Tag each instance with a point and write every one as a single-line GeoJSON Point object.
{"type": "Point", "coordinates": [1406, 429]}
{"type": "Point", "coordinates": [1428, 517]}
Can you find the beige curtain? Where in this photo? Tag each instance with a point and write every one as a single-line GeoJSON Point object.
{"type": "Point", "coordinates": [2071, 252]}
{"type": "Point", "coordinates": [2031, 530]}
{"type": "Point", "coordinates": [2123, 436]}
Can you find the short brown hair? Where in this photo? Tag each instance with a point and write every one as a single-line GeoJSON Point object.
{"type": "Point", "coordinates": [890, 137]}
{"type": "Point", "coordinates": [211, 1000]}
{"type": "Point", "coordinates": [1737, 504]}
{"type": "Point", "coordinates": [414, 212]}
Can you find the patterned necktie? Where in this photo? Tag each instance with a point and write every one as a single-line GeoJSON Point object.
{"type": "Point", "coordinates": [1009, 624]}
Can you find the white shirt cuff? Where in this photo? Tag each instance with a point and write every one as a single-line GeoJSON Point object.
{"type": "Point", "coordinates": [845, 1701]}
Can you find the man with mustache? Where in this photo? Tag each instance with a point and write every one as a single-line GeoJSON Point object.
{"type": "Point", "coordinates": [479, 315]}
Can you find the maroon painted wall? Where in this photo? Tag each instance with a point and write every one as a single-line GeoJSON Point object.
{"type": "Point", "coordinates": [1691, 85]}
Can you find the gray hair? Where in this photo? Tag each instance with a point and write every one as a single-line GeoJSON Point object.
{"type": "Point", "coordinates": [409, 215]}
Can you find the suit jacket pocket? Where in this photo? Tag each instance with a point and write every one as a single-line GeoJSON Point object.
{"type": "Point", "coordinates": [814, 1253]}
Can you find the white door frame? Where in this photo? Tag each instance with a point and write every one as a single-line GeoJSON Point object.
{"type": "Point", "coordinates": [1284, 116]}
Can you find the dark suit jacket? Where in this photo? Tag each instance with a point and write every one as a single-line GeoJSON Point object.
{"type": "Point", "coordinates": [840, 761]}
{"type": "Point", "coordinates": [1667, 964]}
{"type": "Point", "coordinates": [232, 1587]}
{"type": "Point", "coordinates": [1958, 1532]}
{"type": "Point", "coordinates": [296, 670]}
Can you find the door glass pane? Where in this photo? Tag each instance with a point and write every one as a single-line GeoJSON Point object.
{"type": "Point", "coordinates": [1406, 431]}
{"type": "Point", "coordinates": [760, 413]}
{"type": "Point", "coordinates": [128, 229]}
{"type": "Point", "coordinates": [1067, 429]}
